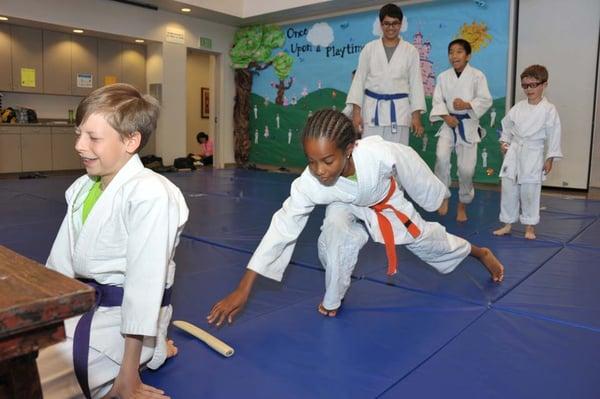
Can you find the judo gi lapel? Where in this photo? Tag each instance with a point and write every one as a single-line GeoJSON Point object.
{"type": "Point", "coordinates": [101, 211]}
{"type": "Point", "coordinates": [373, 182]}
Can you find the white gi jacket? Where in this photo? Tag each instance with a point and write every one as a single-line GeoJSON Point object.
{"type": "Point", "coordinates": [530, 130]}
{"type": "Point", "coordinates": [129, 240]}
{"type": "Point", "coordinates": [401, 75]}
{"type": "Point", "coordinates": [375, 161]}
{"type": "Point", "coordinates": [471, 87]}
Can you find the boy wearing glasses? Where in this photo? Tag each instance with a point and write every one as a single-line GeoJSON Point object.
{"type": "Point", "coordinates": [530, 141]}
{"type": "Point", "coordinates": [387, 89]}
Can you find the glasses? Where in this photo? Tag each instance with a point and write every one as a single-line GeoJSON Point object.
{"type": "Point", "coordinates": [532, 85]}
{"type": "Point", "coordinates": [394, 24]}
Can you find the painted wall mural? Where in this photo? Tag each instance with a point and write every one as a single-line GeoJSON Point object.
{"type": "Point", "coordinates": [311, 66]}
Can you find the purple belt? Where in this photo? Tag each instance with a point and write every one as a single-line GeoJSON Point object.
{"type": "Point", "coordinates": [106, 295]}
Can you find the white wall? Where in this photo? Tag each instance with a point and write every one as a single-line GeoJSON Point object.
{"type": "Point", "coordinates": [198, 76]}
{"type": "Point", "coordinates": [136, 22]}
{"type": "Point", "coordinates": [563, 36]}
{"type": "Point", "coordinates": [595, 165]}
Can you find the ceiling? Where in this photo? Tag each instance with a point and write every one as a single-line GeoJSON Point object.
{"type": "Point", "coordinates": [247, 12]}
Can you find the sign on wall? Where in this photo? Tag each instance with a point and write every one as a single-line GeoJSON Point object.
{"type": "Point", "coordinates": [325, 52]}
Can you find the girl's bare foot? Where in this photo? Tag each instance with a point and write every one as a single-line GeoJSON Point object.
{"type": "Point", "coordinates": [327, 312]}
{"type": "Point", "coordinates": [489, 260]}
{"type": "Point", "coordinates": [443, 208]}
{"type": "Point", "coordinates": [171, 348]}
{"type": "Point", "coordinates": [529, 232]}
{"type": "Point", "coordinates": [503, 230]}
{"type": "Point", "coordinates": [461, 212]}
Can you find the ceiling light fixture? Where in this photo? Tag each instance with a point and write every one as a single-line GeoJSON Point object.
{"type": "Point", "coordinates": [139, 40]}
{"type": "Point", "coordinates": [77, 30]}
{"type": "Point", "coordinates": [3, 18]}
{"type": "Point", "coordinates": [186, 10]}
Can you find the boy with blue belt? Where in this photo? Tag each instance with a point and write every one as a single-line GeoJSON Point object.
{"type": "Point", "coordinates": [387, 90]}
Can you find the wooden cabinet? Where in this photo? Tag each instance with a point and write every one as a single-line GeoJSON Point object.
{"type": "Point", "coordinates": [57, 62]}
{"type": "Point", "coordinates": [5, 58]}
{"type": "Point", "coordinates": [84, 65]}
{"type": "Point", "coordinates": [10, 149]}
{"type": "Point", "coordinates": [109, 62]}
{"type": "Point", "coordinates": [63, 149]}
{"type": "Point", "coordinates": [27, 60]}
{"type": "Point", "coordinates": [36, 149]}
{"type": "Point", "coordinates": [134, 65]}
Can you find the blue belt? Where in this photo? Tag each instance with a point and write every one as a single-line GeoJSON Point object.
{"type": "Point", "coordinates": [106, 295]}
{"type": "Point", "coordinates": [460, 126]}
{"type": "Point", "coordinates": [386, 97]}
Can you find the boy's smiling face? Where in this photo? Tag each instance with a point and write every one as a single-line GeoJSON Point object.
{"type": "Point", "coordinates": [390, 27]}
{"type": "Point", "coordinates": [102, 149]}
{"type": "Point", "coordinates": [458, 57]}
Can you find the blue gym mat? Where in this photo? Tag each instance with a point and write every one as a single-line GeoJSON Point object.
{"type": "Point", "coordinates": [565, 289]}
{"type": "Point", "coordinates": [589, 237]}
{"type": "Point", "coordinates": [381, 334]}
{"type": "Point", "coordinates": [503, 355]}
{"type": "Point", "coordinates": [470, 281]}
{"type": "Point", "coordinates": [418, 334]}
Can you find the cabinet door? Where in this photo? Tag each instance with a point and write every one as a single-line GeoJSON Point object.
{"type": "Point", "coordinates": [10, 150]}
{"type": "Point", "coordinates": [36, 144]}
{"type": "Point", "coordinates": [27, 63]}
{"type": "Point", "coordinates": [63, 149]}
{"type": "Point", "coordinates": [5, 58]}
{"type": "Point", "coordinates": [109, 62]}
{"type": "Point", "coordinates": [57, 62]}
{"type": "Point", "coordinates": [134, 65]}
{"type": "Point", "coordinates": [84, 65]}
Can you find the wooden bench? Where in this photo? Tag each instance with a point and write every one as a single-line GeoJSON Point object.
{"type": "Point", "coordinates": [34, 301]}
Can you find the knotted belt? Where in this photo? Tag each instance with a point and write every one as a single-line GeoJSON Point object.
{"type": "Point", "coordinates": [386, 227]}
{"type": "Point", "coordinates": [460, 126]}
{"type": "Point", "coordinates": [106, 295]}
{"type": "Point", "coordinates": [386, 97]}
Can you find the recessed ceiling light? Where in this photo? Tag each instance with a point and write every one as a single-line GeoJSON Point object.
{"type": "Point", "coordinates": [3, 18]}
{"type": "Point", "coordinates": [186, 10]}
{"type": "Point", "coordinates": [139, 41]}
{"type": "Point", "coordinates": [77, 30]}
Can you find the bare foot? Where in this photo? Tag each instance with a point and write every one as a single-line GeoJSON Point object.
{"type": "Point", "coordinates": [529, 232]}
{"type": "Point", "coordinates": [171, 348]}
{"type": "Point", "coordinates": [461, 212]}
{"type": "Point", "coordinates": [327, 312]}
{"type": "Point", "coordinates": [489, 260]}
{"type": "Point", "coordinates": [503, 230]}
{"type": "Point", "coordinates": [443, 208]}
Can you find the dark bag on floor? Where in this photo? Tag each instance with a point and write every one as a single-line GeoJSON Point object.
{"type": "Point", "coordinates": [184, 163]}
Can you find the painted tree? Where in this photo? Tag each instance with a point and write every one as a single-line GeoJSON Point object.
{"type": "Point", "coordinates": [251, 52]}
{"type": "Point", "coordinates": [283, 66]}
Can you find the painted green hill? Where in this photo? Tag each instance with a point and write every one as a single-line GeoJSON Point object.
{"type": "Point", "coordinates": [282, 147]}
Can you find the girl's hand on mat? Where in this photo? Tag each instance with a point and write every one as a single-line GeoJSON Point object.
{"type": "Point", "coordinates": [228, 307]}
{"type": "Point", "coordinates": [131, 387]}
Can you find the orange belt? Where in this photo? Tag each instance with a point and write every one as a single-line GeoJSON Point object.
{"type": "Point", "coordinates": [386, 227]}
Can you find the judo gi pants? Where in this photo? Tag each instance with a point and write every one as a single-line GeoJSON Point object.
{"type": "Point", "coordinates": [524, 197]}
{"type": "Point", "coordinates": [401, 136]}
{"type": "Point", "coordinates": [466, 156]}
{"type": "Point", "coordinates": [343, 235]}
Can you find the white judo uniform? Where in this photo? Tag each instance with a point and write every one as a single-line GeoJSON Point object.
{"type": "Point", "coordinates": [348, 214]}
{"type": "Point", "coordinates": [401, 75]}
{"type": "Point", "coordinates": [128, 240]}
{"type": "Point", "coordinates": [533, 134]}
{"type": "Point", "coordinates": [471, 87]}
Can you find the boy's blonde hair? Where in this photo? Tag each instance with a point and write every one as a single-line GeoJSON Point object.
{"type": "Point", "coordinates": [538, 72]}
{"type": "Point", "coordinates": [124, 108]}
